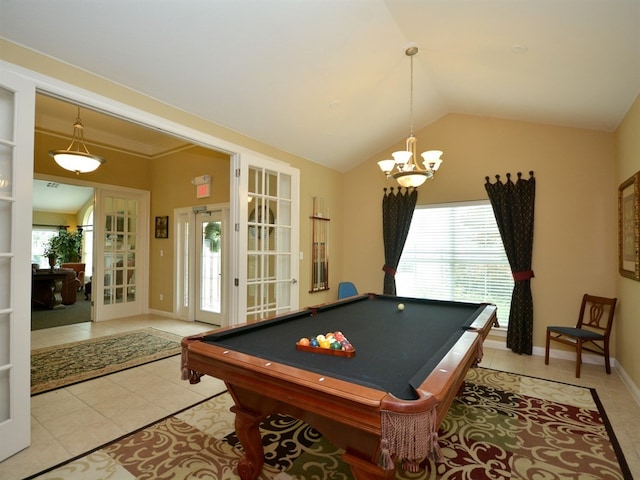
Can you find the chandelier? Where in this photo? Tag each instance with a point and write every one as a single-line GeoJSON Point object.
{"type": "Point", "coordinates": [76, 158]}
{"type": "Point", "coordinates": [404, 167]}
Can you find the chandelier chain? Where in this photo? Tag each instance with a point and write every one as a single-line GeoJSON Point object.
{"type": "Point", "coordinates": [404, 166]}
{"type": "Point", "coordinates": [411, 99]}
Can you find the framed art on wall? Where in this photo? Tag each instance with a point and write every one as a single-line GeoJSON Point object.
{"type": "Point", "coordinates": [162, 227]}
{"type": "Point", "coordinates": [629, 227]}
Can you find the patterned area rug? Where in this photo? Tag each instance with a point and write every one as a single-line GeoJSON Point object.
{"type": "Point", "coordinates": [505, 426]}
{"type": "Point", "coordinates": [63, 365]}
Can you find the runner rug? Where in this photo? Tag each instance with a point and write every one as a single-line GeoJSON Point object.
{"type": "Point", "coordinates": [504, 426]}
{"type": "Point", "coordinates": [63, 365]}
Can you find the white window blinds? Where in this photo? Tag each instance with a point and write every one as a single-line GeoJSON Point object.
{"type": "Point", "coordinates": [454, 252]}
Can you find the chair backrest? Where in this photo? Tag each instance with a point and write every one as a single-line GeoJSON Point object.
{"type": "Point", "coordinates": [75, 266]}
{"type": "Point", "coordinates": [596, 313]}
{"type": "Point", "coordinates": [346, 289]}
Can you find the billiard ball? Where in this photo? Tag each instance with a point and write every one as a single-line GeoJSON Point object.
{"type": "Point", "coordinates": [401, 306]}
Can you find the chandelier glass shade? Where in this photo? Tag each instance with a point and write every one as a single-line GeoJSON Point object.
{"type": "Point", "coordinates": [76, 158]}
{"type": "Point", "coordinates": [404, 166]}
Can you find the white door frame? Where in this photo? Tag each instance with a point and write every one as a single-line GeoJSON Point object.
{"type": "Point", "coordinates": [95, 101]}
{"type": "Point", "coordinates": [81, 96]}
{"type": "Point", "coordinates": [143, 284]}
{"type": "Point", "coordinates": [184, 220]}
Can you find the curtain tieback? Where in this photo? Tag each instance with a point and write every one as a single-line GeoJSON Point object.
{"type": "Point", "coordinates": [389, 270]}
{"type": "Point", "coordinates": [520, 276]}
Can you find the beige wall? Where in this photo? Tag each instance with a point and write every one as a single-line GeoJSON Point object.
{"type": "Point", "coordinates": [136, 172]}
{"type": "Point", "coordinates": [628, 310]}
{"type": "Point", "coordinates": [55, 219]}
{"type": "Point", "coordinates": [576, 205]}
{"type": "Point", "coordinates": [120, 168]}
{"type": "Point", "coordinates": [575, 216]}
{"type": "Point", "coordinates": [318, 181]}
{"type": "Point", "coordinates": [171, 188]}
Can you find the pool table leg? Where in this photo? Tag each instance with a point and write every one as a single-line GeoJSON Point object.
{"type": "Point", "coordinates": [248, 431]}
{"type": "Point", "coordinates": [364, 470]}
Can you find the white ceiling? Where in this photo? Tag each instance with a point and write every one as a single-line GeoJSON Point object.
{"type": "Point", "coordinates": [59, 198]}
{"type": "Point", "coordinates": [328, 79]}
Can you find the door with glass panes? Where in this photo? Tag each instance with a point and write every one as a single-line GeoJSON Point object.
{"type": "Point", "coordinates": [272, 241]}
{"type": "Point", "coordinates": [17, 104]}
{"type": "Point", "coordinates": [118, 283]}
{"type": "Point", "coordinates": [210, 267]}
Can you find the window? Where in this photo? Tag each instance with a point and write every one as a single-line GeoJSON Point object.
{"type": "Point", "coordinates": [39, 240]}
{"type": "Point", "coordinates": [454, 252]}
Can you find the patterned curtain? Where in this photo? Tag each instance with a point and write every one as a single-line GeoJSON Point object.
{"type": "Point", "coordinates": [397, 212]}
{"type": "Point", "coordinates": [513, 207]}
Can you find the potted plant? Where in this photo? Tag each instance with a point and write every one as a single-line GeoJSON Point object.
{"type": "Point", "coordinates": [212, 233]}
{"type": "Point", "coordinates": [53, 258]}
{"type": "Point", "coordinates": [66, 246]}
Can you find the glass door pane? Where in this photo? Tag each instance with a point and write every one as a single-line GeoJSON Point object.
{"type": "Point", "coordinates": [269, 265]}
{"type": "Point", "coordinates": [120, 220]}
{"type": "Point", "coordinates": [210, 266]}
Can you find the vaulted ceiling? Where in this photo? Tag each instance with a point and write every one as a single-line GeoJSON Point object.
{"type": "Point", "coordinates": [329, 80]}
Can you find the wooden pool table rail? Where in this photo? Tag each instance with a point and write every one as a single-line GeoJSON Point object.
{"type": "Point", "coordinates": [346, 413]}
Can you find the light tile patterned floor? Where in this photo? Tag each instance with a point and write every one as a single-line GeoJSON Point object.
{"type": "Point", "coordinates": [73, 420]}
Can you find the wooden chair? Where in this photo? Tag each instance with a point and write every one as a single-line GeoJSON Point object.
{"type": "Point", "coordinates": [591, 332]}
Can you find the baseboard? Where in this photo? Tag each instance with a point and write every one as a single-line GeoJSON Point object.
{"type": "Point", "coordinates": [626, 379]}
{"type": "Point", "coordinates": [162, 313]}
{"type": "Point", "coordinates": [560, 354]}
{"type": "Point", "coordinates": [571, 355]}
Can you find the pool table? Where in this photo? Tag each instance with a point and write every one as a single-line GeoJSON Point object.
{"type": "Point", "coordinates": [383, 405]}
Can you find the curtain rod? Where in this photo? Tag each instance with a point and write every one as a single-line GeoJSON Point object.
{"type": "Point", "coordinates": [46, 225]}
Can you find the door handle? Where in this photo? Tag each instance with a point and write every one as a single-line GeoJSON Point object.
{"type": "Point", "coordinates": [294, 281]}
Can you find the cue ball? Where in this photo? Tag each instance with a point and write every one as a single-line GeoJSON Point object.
{"type": "Point", "coordinates": [401, 306]}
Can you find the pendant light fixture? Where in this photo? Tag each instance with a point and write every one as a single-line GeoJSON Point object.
{"type": "Point", "coordinates": [404, 167]}
{"type": "Point", "coordinates": [76, 158]}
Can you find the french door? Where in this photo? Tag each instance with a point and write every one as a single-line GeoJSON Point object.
{"type": "Point", "coordinates": [17, 105]}
{"type": "Point", "coordinates": [119, 283]}
{"type": "Point", "coordinates": [269, 234]}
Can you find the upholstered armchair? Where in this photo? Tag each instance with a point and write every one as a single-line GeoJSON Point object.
{"type": "Point", "coordinates": [79, 269]}
{"type": "Point", "coordinates": [70, 286]}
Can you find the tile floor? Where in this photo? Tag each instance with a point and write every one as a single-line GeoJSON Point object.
{"type": "Point", "coordinates": [73, 420]}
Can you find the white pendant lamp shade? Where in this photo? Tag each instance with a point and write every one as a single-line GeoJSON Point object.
{"type": "Point", "coordinates": [77, 162]}
{"type": "Point", "coordinates": [76, 158]}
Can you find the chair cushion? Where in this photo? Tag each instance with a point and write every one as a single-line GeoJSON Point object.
{"type": "Point", "coordinates": [577, 333]}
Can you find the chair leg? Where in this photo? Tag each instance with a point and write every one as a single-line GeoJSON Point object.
{"type": "Point", "coordinates": [546, 350]}
{"type": "Point", "coordinates": [578, 358]}
{"type": "Point", "coordinates": [607, 362]}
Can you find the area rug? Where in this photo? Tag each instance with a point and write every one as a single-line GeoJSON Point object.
{"type": "Point", "coordinates": [504, 426]}
{"type": "Point", "coordinates": [63, 365]}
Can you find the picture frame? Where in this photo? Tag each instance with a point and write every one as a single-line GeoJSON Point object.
{"type": "Point", "coordinates": [162, 227]}
{"type": "Point", "coordinates": [629, 227]}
